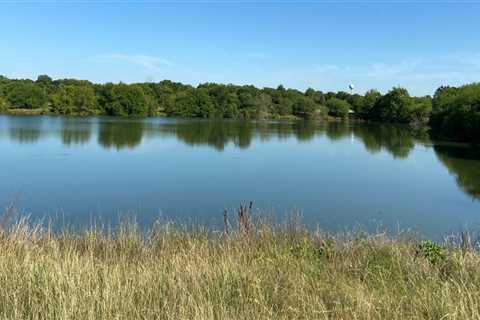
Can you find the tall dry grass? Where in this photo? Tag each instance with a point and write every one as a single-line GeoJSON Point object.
{"type": "Point", "coordinates": [257, 273]}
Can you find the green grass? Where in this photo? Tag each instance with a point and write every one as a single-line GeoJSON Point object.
{"type": "Point", "coordinates": [259, 273]}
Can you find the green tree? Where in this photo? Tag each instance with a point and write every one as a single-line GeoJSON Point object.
{"type": "Point", "coordinates": [282, 105]}
{"type": "Point", "coordinates": [304, 107]}
{"type": "Point", "coordinates": [204, 106]}
{"type": "Point", "coordinates": [45, 83]}
{"type": "Point", "coordinates": [125, 100]}
{"type": "Point", "coordinates": [225, 99]}
{"type": "Point", "coordinates": [72, 99]}
{"type": "Point", "coordinates": [317, 96]}
{"type": "Point", "coordinates": [62, 100]}
{"type": "Point", "coordinates": [247, 102]}
{"type": "Point", "coordinates": [338, 108]}
{"type": "Point", "coordinates": [420, 112]}
{"type": "Point", "coordinates": [26, 95]}
{"type": "Point", "coordinates": [369, 100]}
{"type": "Point", "coordinates": [356, 102]}
{"type": "Point", "coordinates": [456, 113]}
{"type": "Point", "coordinates": [263, 105]}
{"type": "Point", "coordinates": [185, 104]}
{"type": "Point", "coordinates": [395, 106]}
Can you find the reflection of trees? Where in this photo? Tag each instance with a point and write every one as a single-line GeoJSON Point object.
{"type": "Point", "coordinates": [281, 130]}
{"type": "Point", "coordinates": [128, 133]}
{"type": "Point", "coordinates": [397, 140]}
{"type": "Point", "coordinates": [241, 133]}
{"type": "Point", "coordinates": [337, 130]}
{"type": "Point", "coordinates": [304, 130]}
{"type": "Point", "coordinates": [120, 134]}
{"type": "Point", "coordinates": [25, 130]}
{"type": "Point", "coordinates": [463, 163]}
{"type": "Point", "coordinates": [75, 132]}
{"type": "Point", "coordinates": [216, 134]}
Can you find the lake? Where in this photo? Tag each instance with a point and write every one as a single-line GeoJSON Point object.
{"type": "Point", "coordinates": [337, 175]}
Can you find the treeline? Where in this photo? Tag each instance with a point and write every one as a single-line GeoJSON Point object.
{"type": "Point", "coordinates": [452, 112]}
{"type": "Point", "coordinates": [456, 113]}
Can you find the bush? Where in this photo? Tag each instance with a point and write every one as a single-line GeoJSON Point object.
{"type": "Point", "coordinates": [304, 107]}
{"type": "Point", "coordinates": [430, 251]}
{"type": "Point", "coordinates": [338, 108]}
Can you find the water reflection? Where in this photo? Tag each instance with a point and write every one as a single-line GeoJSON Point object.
{"type": "Point", "coordinates": [25, 130]}
{"type": "Point", "coordinates": [337, 130]}
{"type": "Point", "coordinates": [216, 134]}
{"type": "Point", "coordinates": [75, 131]}
{"type": "Point", "coordinates": [399, 141]}
{"type": "Point", "coordinates": [120, 134]}
{"type": "Point", "coordinates": [463, 163]}
{"type": "Point", "coordinates": [305, 131]}
{"type": "Point", "coordinates": [110, 133]}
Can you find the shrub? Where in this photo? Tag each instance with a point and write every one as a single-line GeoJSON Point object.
{"type": "Point", "coordinates": [338, 108]}
{"type": "Point", "coordinates": [430, 251]}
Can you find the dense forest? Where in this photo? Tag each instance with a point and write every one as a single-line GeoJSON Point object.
{"type": "Point", "coordinates": [452, 113]}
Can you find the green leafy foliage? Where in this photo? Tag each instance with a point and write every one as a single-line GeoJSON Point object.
{"type": "Point", "coordinates": [125, 100]}
{"type": "Point", "coordinates": [25, 94]}
{"type": "Point", "coordinates": [453, 112]}
{"type": "Point", "coordinates": [3, 103]}
{"type": "Point", "coordinates": [456, 113]}
{"type": "Point", "coordinates": [338, 108]}
{"type": "Point", "coordinates": [395, 106]}
{"type": "Point", "coordinates": [70, 99]}
{"type": "Point", "coordinates": [430, 251]}
{"type": "Point", "coordinates": [304, 107]}
{"type": "Point", "coordinates": [307, 250]}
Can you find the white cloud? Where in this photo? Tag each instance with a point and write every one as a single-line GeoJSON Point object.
{"type": "Point", "coordinates": [150, 63]}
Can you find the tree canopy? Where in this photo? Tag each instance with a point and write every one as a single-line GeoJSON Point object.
{"type": "Point", "coordinates": [338, 107]}
{"type": "Point", "coordinates": [456, 113]}
{"type": "Point", "coordinates": [452, 113]}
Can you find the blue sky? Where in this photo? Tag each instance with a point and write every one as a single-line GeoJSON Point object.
{"type": "Point", "coordinates": [321, 44]}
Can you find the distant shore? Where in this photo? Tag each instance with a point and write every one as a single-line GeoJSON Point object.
{"type": "Point", "coordinates": [451, 113]}
{"type": "Point", "coordinates": [25, 112]}
{"type": "Point", "coordinates": [43, 112]}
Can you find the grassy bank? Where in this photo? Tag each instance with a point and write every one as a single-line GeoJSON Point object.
{"type": "Point", "coordinates": [25, 112]}
{"type": "Point", "coordinates": [255, 272]}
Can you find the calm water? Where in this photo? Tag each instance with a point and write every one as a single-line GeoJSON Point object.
{"type": "Point", "coordinates": [75, 170]}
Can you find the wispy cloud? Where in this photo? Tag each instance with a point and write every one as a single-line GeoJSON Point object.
{"type": "Point", "coordinates": [150, 63]}
{"type": "Point", "coordinates": [457, 66]}
{"type": "Point", "coordinates": [419, 72]}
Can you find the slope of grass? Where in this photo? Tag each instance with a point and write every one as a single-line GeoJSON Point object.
{"type": "Point", "coordinates": [258, 272]}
